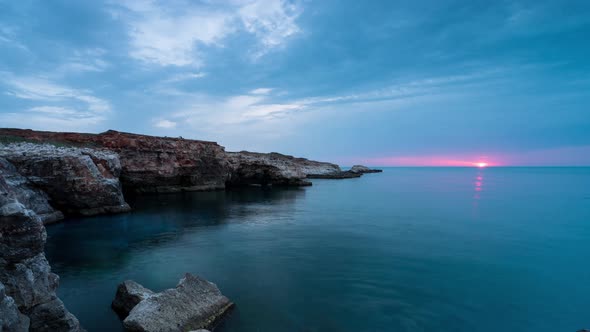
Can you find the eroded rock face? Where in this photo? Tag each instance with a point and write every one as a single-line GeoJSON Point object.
{"type": "Point", "coordinates": [24, 271]}
{"type": "Point", "coordinates": [194, 304]}
{"type": "Point", "coordinates": [33, 198]}
{"type": "Point", "coordinates": [77, 180]}
{"type": "Point", "coordinates": [149, 163]}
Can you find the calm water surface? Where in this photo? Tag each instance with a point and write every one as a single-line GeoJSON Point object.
{"type": "Point", "coordinates": [411, 249]}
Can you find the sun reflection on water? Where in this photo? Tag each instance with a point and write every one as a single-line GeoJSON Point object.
{"type": "Point", "coordinates": [478, 189]}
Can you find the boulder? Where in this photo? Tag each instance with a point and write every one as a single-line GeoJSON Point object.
{"type": "Point", "coordinates": [76, 180]}
{"type": "Point", "coordinates": [129, 294]}
{"type": "Point", "coordinates": [364, 169]}
{"type": "Point", "coordinates": [194, 304]}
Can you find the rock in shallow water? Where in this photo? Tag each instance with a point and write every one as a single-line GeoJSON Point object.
{"type": "Point", "coordinates": [129, 294]}
{"type": "Point", "coordinates": [194, 304]}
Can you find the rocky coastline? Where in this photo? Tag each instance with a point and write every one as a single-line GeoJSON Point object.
{"type": "Point", "coordinates": [45, 176]}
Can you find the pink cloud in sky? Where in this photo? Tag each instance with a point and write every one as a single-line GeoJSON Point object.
{"type": "Point", "coordinates": [564, 156]}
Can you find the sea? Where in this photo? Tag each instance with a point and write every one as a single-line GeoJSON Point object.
{"type": "Point", "coordinates": [410, 249]}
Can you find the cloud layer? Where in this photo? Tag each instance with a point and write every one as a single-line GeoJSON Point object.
{"type": "Point", "coordinates": [168, 37]}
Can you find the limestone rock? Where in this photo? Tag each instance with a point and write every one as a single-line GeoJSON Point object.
{"type": "Point", "coordinates": [77, 180]}
{"type": "Point", "coordinates": [194, 304]}
{"type": "Point", "coordinates": [129, 294]}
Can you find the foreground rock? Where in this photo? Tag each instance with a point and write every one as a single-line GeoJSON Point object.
{"type": "Point", "coordinates": [24, 272]}
{"type": "Point", "coordinates": [77, 180]}
{"type": "Point", "coordinates": [149, 163]}
{"type": "Point", "coordinates": [364, 169]}
{"type": "Point", "coordinates": [194, 304]}
{"type": "Point", "coordinates": [129, 294]}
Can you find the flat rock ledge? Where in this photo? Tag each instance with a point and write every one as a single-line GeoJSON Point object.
{"type": "Point", "coordinates": [364, 169]}
{"type": "Point", "coordinates": [335, 175]}
{"type": "Point", "coordinates": [195, 304]}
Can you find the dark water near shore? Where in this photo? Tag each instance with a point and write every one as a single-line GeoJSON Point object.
{"type": "Point", "coordinates": [411, 249]}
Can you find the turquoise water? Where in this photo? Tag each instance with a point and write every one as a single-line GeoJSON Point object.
{"type": "Point", "coordinates": [410, 249]}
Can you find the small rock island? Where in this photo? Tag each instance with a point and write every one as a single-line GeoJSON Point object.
{"type": "Point", "coordinates": [47, 176]}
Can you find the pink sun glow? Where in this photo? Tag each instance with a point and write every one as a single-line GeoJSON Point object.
{"type": "Point", "coordinates": [440, 161]}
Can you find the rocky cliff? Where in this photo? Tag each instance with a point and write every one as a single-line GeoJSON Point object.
{"type": "Point", "coordinates": [25, 274]}
{"type": "Point", "coordinates": [148, 163]}
{"type": "Point", "coordinates": [76, 180]}
{"type": "Point", "coordinates": [165, 164]}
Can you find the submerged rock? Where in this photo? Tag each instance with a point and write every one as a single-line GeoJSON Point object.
{"type": "Point", "coordinates": [364, 169]}
{"type": "Point", "coordinates": [77, 181]}
{"type": "Point", "coordinates": [129, 294]}
{"type": "Point", "coordinates": [194, 304]}
{"type": "Point", "coordinates": [24, 272]}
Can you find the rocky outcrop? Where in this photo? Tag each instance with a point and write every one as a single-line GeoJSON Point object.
{"type": "Point", "coordinates": [194, 304]}
{"type": "Point", "coordinates": [77, 180]}
{"type": "Point", "coordinates": [24, 271]}
{"type": "Point", "coordinates": [249, 168]}
{"type": "Point", "coordinates": [149, 163]}
{"type": "Point", "coordinates": [364, 169]}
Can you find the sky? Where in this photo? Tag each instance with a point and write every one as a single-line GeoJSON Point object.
{"type": "Point", "coordinates": [388, 83]}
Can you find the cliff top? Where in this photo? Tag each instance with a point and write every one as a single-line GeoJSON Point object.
{"type": "Point", "coordinates": [11, 135]}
